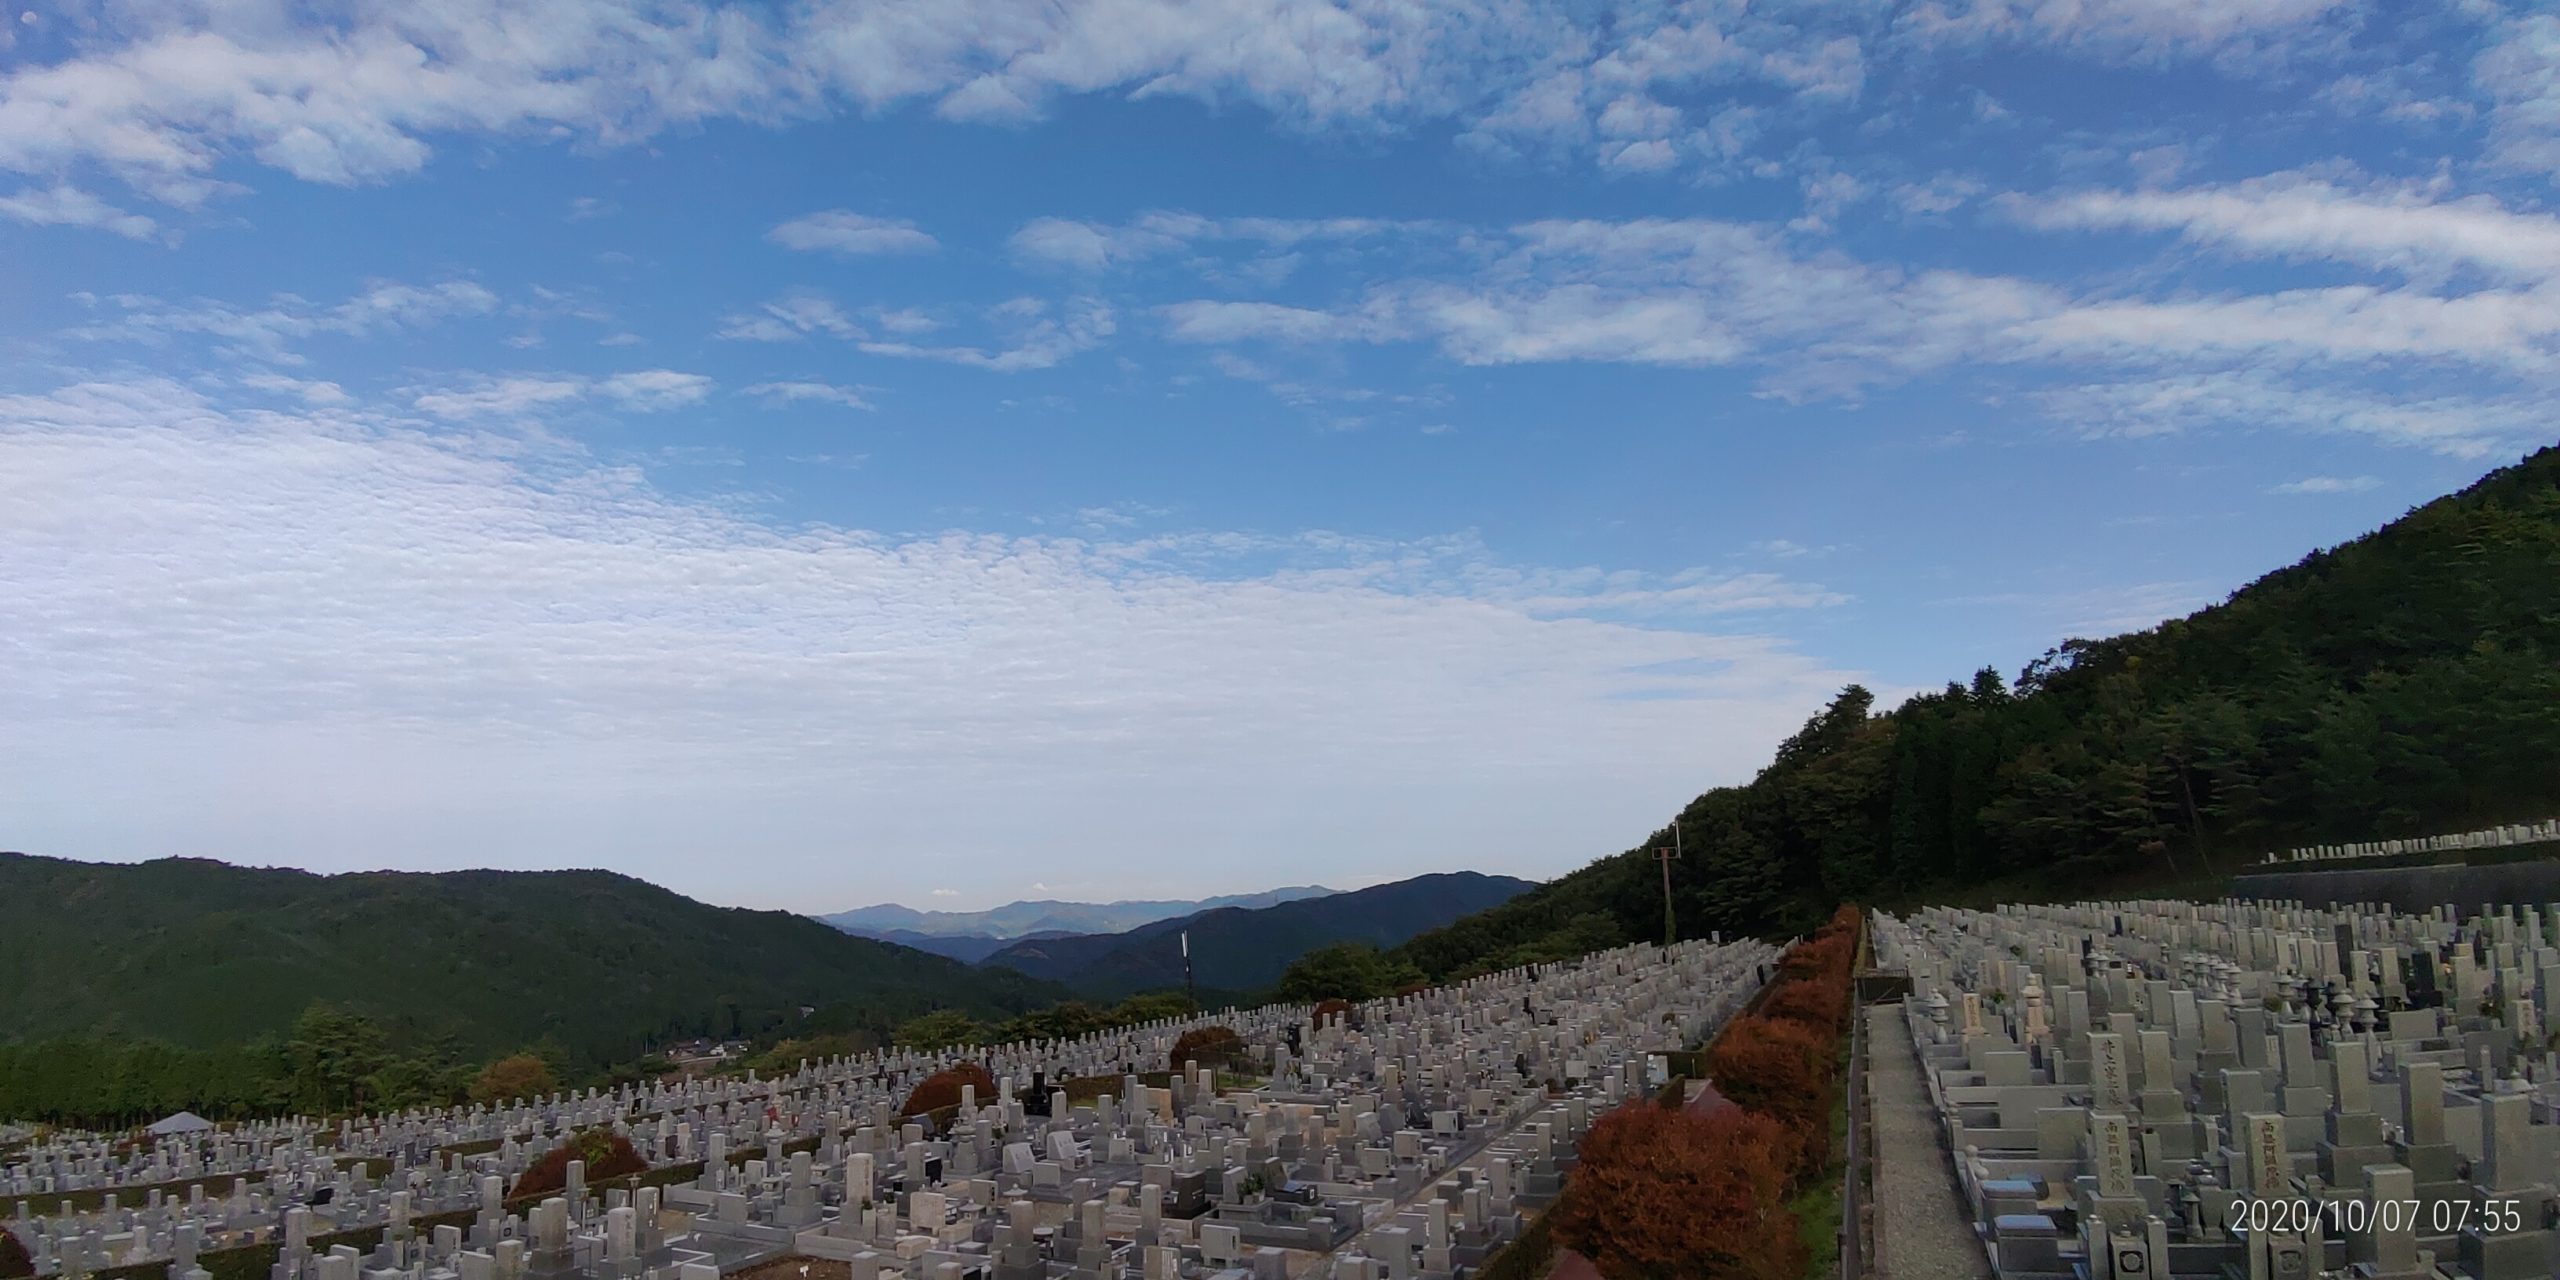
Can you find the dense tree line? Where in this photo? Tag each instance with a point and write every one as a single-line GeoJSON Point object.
{"type": "Point", "coordinates": [203, 954]}
{"type": "Point", "coordinates": [1062, 1021]}
{"type": "Point", "coordinates": [2404, 683]}
{"type": "Point", "coordinates": [333, 1061]}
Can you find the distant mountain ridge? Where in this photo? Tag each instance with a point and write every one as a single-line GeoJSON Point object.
{"type": "Point", "coordinates": [202, 953]}
{"type": "Point", "coordinates": [1244, 949]}
{"type": "Point", "coordinates": [967, 948]}
{"type": "Point", "coordinates": [1046, 915]}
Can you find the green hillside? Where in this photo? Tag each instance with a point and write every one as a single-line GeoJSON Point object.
{"type": "Point", "coordinates": [1247, 949]}
{"type": "Point", "coordinates": [2403, 683]}
{"type": "Point", "coordinates": [200, 953]}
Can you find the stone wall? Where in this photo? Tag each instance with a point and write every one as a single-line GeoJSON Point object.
{"type": "Point", "coordinates": [2411, 888]}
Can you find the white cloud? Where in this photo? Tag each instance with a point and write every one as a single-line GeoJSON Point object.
{"type": "Point", "coordinates": [905, 320]}
{"type": "Point", "coordinates": [1033, 338]}
{"type": "Point", "coordinates": [1785, 549]}
{"type": "Point", "coordinates": [350, 92]}
{"type": "Point", "coordinates": [789, 319]}
{"type": "Point", "coordinates": [1677, 292]}
{"type": "Point", "coordinates": [1944, 193]}
{"type": "Point", "coordinates": [499, 396]}
{"type": "Point", "coordinates": [2462, 424]}
{"type": "Point", "coordinates": [1817, 323]}
{"type": "Point", "coordinates": [2353, 324]}
{"type": "Point", "coordinates": [1238, 321]}
{"type": "Point", "coordinates": [449, 636]}
{"type": "Point", "coordinates": [2520, 71]}
{"type": "Point", "coordinates": [1093, 246]}
{"type": "Point", "coordinates": [2145, 29]}
{"type": "Point", "coordinates": [1124, 515]}
{"type": "Point", "coordinates": [840, 231]}
{"type": "Point", "coordinates": [641, 390]}
{"type": "Point", "coordinates": [2407, 229]}
{"type": "Point", "coordinates": [316, 393]}
{"type": "Point", "coordinates": [2329, 484]}
{"type": "Point", "coordinates": [1065, 243]}
{"type": "Point", "coordinates": [67, 206]}
{"type": "Point", "coordinates": [654, 390]}
{"type": "Point", "coordinates": [393, 305]}
{"type": "Point", "coordinates": [270, 332]}
{"type": "Point", "coordinates": [799, 392]}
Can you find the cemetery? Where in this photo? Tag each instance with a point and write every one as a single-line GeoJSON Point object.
{"type": "Point", "coordinates": [1402, 1139]}
{"type": "Point", "coordinates": [2510, 836]}
{"type": "Point", "coordinates": [2241, 1089]}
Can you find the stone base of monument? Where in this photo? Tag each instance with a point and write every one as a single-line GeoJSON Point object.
{"type": "Point", "coordinates": [2506, 1255]}
{"type": "Point", "coordinates": [2429, 1162]}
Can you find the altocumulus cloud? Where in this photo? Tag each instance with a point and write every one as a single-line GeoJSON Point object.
{"type": "Point", "coordinates": [434, 643]}
{"type": "Point", "coordinates": [351, 92]}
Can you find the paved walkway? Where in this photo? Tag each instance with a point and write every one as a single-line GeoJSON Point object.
{"type": "Point", "coordinates": [1921, 1229]}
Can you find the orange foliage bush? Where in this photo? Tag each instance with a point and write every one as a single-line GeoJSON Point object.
{"type": "Point", "coordinates": [1781, 1059]}
{"type": "Point", "coordinates": [14, 1259]}
{"type": "Point", "coordinates": [1668, 1195]}
{"type": "Point", "coordinates": [1772, 1067]}
{"type": "Point", "coordinates": [942, 1089]}
{"type": "Point", "coordinates": [1328, 1011]}
{"type": "Point", "coordinates": [1819, 956]}
{"type": "Point", "coordinates": [1212, 1046]}
{"type": "Point", "coordinates": [1819, 1005]}
{"type": "Point", "coordinates": [607, 1155]}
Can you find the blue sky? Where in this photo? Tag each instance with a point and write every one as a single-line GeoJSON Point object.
{"type": "Point", "coordinates": [820, 454]}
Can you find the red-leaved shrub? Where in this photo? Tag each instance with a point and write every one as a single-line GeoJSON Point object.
{"type": "Point", "coordinates": [1211, 1046]}
{"type": "Point", "coordinates": [607, 1155]}
{"type": "Point", "coordinates": [942, 1089]}
{"type": "Point", "coordinates": [1819, 1005]}
{"type": "Point", "coordinates": [1669, 1195]}
{"type": "Point", "coordinates": [14, 1259]}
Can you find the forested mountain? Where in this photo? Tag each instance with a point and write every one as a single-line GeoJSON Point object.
{"type": "Point", "coordinates": [455, 967]}
{"type": "Point", "coordinates": [1239, 949]}
{"type": "Point", "coordinates": [1038, 916]}
{"type": "Point", "coordinates": [2402, 683]}
{"type": "Point", "coordinates": [967, 948]}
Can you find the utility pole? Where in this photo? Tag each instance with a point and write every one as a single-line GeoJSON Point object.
{"type": "Point", "coordinates": [1664, 855]}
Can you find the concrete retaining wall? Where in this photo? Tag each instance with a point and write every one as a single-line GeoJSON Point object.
{"type": "Point", "coordinates": [2411, 888]}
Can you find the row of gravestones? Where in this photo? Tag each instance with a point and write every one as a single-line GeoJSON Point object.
{"type": "Point", "coordinates": [72, 1161]}
{"type": "Point", "coordinates": [1414, 1156]}
{"type": "Point", "coordinates": [1353, 1117]}
{"type": "Point", "coordinates": [285, 1162]}
{"type": "Point", "coordinates": [2250, 1088]}
{"type": "Point", "coordinates": [1406, 1144]}
{"type": "Point", "coordinates": [2506, 836]}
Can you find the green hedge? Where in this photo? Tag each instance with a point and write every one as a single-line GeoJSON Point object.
{"type": "Point", "coordinates": [1529, 1257]}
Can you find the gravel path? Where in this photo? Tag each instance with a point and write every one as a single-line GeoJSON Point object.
{"type": "Point", "coordinates": [1921, 1230]}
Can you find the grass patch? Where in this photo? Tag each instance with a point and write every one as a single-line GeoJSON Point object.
{"type": "Point", "coordinates": [1817, 1211]}
{"type": "Point", "coordinates": [1817, 1206]}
